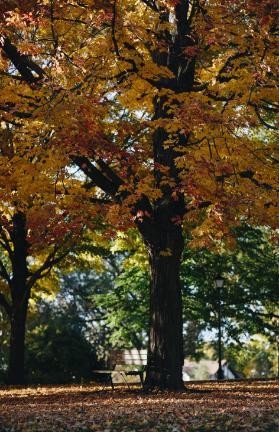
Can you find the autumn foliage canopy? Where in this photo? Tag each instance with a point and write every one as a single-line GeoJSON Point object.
{"type": "Point", "coordinates": [89, 75]}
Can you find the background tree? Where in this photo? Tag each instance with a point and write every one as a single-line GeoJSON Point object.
{"type": "Point", "coordinates": [65, 337]}
{"type": "Point", "coordinates": [37, 230]}
{"type": "Point", "coordinates": [124, 301]}
{"type": "Point", "coordinates": [60, 304]}
{"type": "Point", "coordinates": [249, 299]}
{"type": "Point", "coordinates": [256, 358]}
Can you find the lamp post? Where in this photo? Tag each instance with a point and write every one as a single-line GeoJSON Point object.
{"type": "Point", "coordinates": [219, 282]}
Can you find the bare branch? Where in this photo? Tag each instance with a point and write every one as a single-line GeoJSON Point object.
{"type": "Point", "coordinates": [262, 121]}
{"type": "Point", "coordinates": [5, 304]}
{"type": "Point", "coordinates": [248, 174]}
{"type": "Point", "coordinates": [4, 273]}
{"type": "Point", "coordinates": [46, 267]}
{"type": "Point", "coordinates": [4, 241]}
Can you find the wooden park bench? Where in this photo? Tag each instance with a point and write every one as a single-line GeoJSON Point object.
{"type": "Point", "coordinates": [124, 363]}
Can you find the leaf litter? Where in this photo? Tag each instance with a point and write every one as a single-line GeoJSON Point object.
{"type": "Point", "coordinates": [204, 407]}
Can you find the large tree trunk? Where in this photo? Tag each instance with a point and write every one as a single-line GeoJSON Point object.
{"type": "Point", "coordinates": [165, 351]}
{"type": "Point", "coordinates": [20, 294]}
{"type": "Point", "coordinates": [17, 348]}
{"type": "Point", "coordinates": [163, 233]}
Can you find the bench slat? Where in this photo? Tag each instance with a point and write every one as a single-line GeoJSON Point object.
{"type": "Point", "coordinates": [128, 357]}
{"type": "Point", "coordinates": [138, 363]}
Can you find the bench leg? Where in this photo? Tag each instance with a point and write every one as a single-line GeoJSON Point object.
{"type": "Point", "coordinates": [110, 382]}
{"type": "Point", "coordinates": [124, 378]}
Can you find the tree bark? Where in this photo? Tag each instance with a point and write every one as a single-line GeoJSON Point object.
{"type": "Point", "coordinates": [17, 345]}
{"type": "Point", "coordinates": [20, 294]}
{"type": "Point", "coordinates": [165, 351]}
{"type": "Point", "coordinates": [164, 236]}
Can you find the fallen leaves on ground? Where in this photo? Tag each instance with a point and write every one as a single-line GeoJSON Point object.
{"type": "Point", "coordinates": [203, 407]}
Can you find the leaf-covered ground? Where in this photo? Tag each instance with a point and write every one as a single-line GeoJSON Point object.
{"type": "Point", "coordinates": [208, 406]}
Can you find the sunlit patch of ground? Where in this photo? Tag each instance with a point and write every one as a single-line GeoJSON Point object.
{"type": "Point", "coordinates": [208, 406]}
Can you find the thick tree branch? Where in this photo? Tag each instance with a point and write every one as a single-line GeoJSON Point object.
{"type": "Point", "coordinates": [181, 12]}
{"type": "Point", "coordinates": [109, 173]}
{"type": "Point", "coordinates": [97, 176]}
{"type": "Point", "coordinates": [227, 65]}
{"type": "Point", "coordinates": [248, 174]}
{"type": "Point", "coordinates": [28, 69]}
{"type": "Point", "coordinates": [95, 200]}
{"type": "Point", "coordinates": [151, 4]}
{"type": "Point", "coordinates": [11, 108]}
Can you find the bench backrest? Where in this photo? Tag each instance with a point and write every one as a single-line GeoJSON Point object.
{"type": "Point", "coordinates": [128, 357]}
